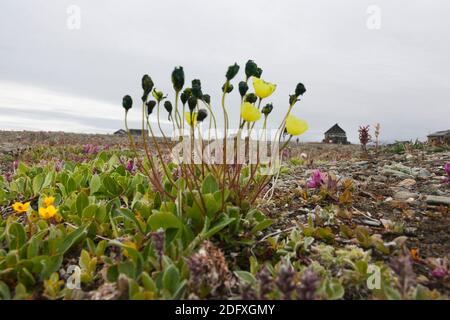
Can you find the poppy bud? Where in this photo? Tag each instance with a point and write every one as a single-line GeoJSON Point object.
{"type": "Point", "coordinates": [251, 69]}
{"type": "Point", "coordinates": [206, 98]}
{"type": "Point", "coordinates": [267, 109]}
{"type": "Point", "coordinates": [300, 89]}
{"type": "Point", "coordinates": [232, 71]}
{"type": "Point", "coordinates": [229, 87]}
{"type": "Point", "coordinates": [147, 84]}
{"type": "Point", "coordinates": [150, 106]}
{"type": "Point", "coordinates": [197, 89]}
{"type": "Point", "coordinates": [158, 95]}
{"type": "Point", "coordinates": [192, 103]}
{"type": "Point", "coordinates": [243, 88]}
{"type": "Point", "coordinates": [184, 98]}
{"type": "Point", "coordinates": [127, 103]}
{"type": "Point", "coordinates": [185, 95]}
{"type": "Point", "coordinates": [168, 106]}
{"type": "Point", "coordinates": [201, 115]}
{"type": "Point", "coordinates": [178, 79]}
{"type": "Point", "coordinates": [251, 97]}
{"type": "Point", "coordinates": [258, 73]}
{"type": "Point", "coordinates": [293, 98]}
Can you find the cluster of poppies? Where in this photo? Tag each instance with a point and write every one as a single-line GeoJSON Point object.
{"type": "Point", "coordinates": [251, 109]}
{"type": "Point", "coordinates": [46, 211]}
{"type": "Point", "coordinates": [252, 113]}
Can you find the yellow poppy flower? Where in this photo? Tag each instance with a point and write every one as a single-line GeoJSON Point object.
{"type": "Point", "coordinates": [249, 112]}
{"type": "Point", "coordinates": [47, 213]}
{"type": "Point", "coordinates": [20, 207]}
{"type": "Point", "coordinates": [295, 126]}
{"type": "Point", "coordinates": [48, 201]}
{"type": "Point", "coordinates": [263, 89]}
{"type": "Point", "coordinates": [191, 119]}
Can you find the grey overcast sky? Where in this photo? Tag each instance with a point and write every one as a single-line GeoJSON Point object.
{"type": "Point", "coordinates": [56, 78]}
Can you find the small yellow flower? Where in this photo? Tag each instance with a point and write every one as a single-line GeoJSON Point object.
{"type": "Point", "coordinates": [263, 89]}
{"type": "Point", "coordinates": [20, 207]}
{"type": "Point", "coordinates": [47, 213]}
{"type": "Point", "coordinates": [295, 126]}
{"type": "Point", "coordinates": [249, 112]}
{"type": "Point", "coordinates": [191, 118]}
{"type": "Point", "coordinates": [48, 201]}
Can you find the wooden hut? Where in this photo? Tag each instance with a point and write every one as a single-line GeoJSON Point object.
{"type": "Point", "coordinates": [336, 135]}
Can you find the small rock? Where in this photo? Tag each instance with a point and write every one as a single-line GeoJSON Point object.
{"type": "Point", "coordinates": [423, 173]}
{"type": "Point", "coordinates": [373, 223]}
{"type": "Point", "coordinates": [400, 174]}
{"type": "Point", "coordinates": [405, 195]}
{"type": "Point", "coordinates": [438, 200]}
{"type": "Point", "coordinates": [407, 183]}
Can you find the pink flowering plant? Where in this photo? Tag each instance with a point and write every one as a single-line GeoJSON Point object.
{"type": "Point", "coordinates": [317, 179]}
{"type": "Point", "coordinates": [447, 171]}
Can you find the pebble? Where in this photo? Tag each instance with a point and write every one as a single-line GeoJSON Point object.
{"type": "Point", "coordinates": [402, 171]}
{"type": "Point", "coordinates": [405, 195]}
{"type": "Point", "coordinates": [407, 183]}
{"type": "Point", "coordinates": [438, 200]}
{"type": "Point", "coordinates": [371, 222]}
{"type": "Point", "coordinates": [423, 173]}
{"type": "Point", "coordinates": [397, 173]}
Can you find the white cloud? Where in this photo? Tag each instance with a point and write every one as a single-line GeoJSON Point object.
{"type": "Point", "coordinates": [27, 107]}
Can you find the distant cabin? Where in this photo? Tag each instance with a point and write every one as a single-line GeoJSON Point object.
{"type": "Point", "coordinates": [120, 132]}
{"type": "Point", "coordinates": [440, 138]}
{"type": "Point", "coordinates": [134, 132]}
{"type": "Point", "coordinates": [336, 135]}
